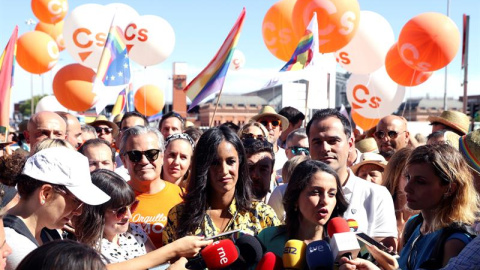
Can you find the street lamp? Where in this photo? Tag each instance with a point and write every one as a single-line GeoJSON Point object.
{"type": "Point", "coordinates": [31, 22]}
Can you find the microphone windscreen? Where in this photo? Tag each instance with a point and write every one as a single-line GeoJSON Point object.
{"type": "Point", "coordinates": [270, 261]}
{"type": "Point", "coordinates": [250, 249]}
{"type": "Point", "coordinates": [319, 255]}
{"type": "Point", "coordinates": [337, 225]}
{"type": "Point", "coordinates": [294, 254]}
{"type": "Point", "coordinates": [220, 254]}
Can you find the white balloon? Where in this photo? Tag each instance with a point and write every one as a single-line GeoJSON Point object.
{"type": "Point", "coordinates": [238, 60]}
{"type": "Point", "coordinates": [85, 31]}
{"type": "Point", "coordinates": [51, 104]}
{"type": "Point", "coordinates": [367, 50]}
{"type": "Point", "coordinates": [151, 39]}
{"type": "Point", "coordinates": [374, 95]}
{"type": "Point", "coordinates": [124, 14]}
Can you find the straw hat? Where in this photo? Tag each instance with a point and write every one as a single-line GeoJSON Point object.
{"type": "Point", "coordinates": [102, 120]}
{"type": "Point", "coordinates": [270, 111]}
{"type": "Point", "coordinates": [367, 145]}
{"type": "Point", "coordinates": [370, 158]}
{"type": "Point", "coordinates": [452, 139]}
{"type": "Point", "coordinates": [456, 120]}
{"type": "Point", "coordinates": [469, 146]}
{"type": "Point", "coordinates": [118, 118]}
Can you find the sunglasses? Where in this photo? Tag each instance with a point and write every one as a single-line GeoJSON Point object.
{"type": "Point", "coordinates": [297, 150]}
{"type": "Point", "coordinates": [67, 193]}
{"type": "Point", "coordinates": [122, 211]}
{"type": "Point", "coordinates": [391, 134]}
{"type": "Point", "coordinates": [136, 155]}
{"type": "Point", "coordinates": [105, 130]}
{"type": "Point", "coordinates": [274, 123]}
{"type": "Point", "coordinates": [252, 136]}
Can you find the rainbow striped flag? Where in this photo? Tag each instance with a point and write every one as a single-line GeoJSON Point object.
{"type": "Point", "coordinates": [7, 61]}
{"type": "Point", "coordinates": [306, 48]}
{"type": "Point", "coordinates": [113, 73]}
{"type": "Point", "coordinates": [119, 106]}
{"type": "Point", "coordinates": [212, 77]}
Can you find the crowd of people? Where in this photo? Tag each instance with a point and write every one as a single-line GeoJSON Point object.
{"type": "Point", "coordinates": [126, 194]}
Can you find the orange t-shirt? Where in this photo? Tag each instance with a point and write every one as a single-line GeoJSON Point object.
{"type": "Point", "coordinates": [152, 210]}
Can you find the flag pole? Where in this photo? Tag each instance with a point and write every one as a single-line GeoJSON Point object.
{"type": "Point", "coordinates": [216, 106]}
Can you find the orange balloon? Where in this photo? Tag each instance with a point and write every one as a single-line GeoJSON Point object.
{"type": "Point", "coordinates": [338, 21]}
{"type": "Point", "coordinates": [363, 122]}
{"type": "Point", "coordinates": [429, 41]}
{"type": "Point", "coordinates": [400, 72]}
{"type": "Point", "coordinates": [37, 52]}
{"type": "Point", "coordinates": [72, 86]}
{"type": "Point", "coordinates": [53, 30]}
{"type": "Point", "coordinates": [277, 30]}
{"type": "Point", "coordinates": [149, 100]}
{"type": "Point", "coordinates": [50, 11]}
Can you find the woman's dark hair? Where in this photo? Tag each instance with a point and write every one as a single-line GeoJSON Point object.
{"type": "Point", "coordinates": [89, 226]}
{"type": "Point", "coordinates": [63, 254]}
{"type": "Point", "coordinates": [198, 190]}
{"type": "Point", "coordinates": [301, 177]}
{"type": "Point", "coordinates": [10, 169]}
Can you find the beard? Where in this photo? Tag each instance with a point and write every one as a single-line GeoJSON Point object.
{"type": "Point", "coordinates": [387, 154]}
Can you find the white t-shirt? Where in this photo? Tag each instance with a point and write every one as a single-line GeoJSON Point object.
{"type": "Point", "coordinates": [371, 205]}
{"type": "Point", "coordinates": [20, 246]}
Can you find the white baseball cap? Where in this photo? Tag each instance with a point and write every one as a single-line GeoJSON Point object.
{"type": "Point", "coordinates": [66, 167]}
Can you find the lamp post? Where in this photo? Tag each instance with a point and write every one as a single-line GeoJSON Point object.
{"type": "Point", "coordinates": [30, 22]}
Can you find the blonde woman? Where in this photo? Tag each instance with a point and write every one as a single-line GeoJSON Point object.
{"type": "Point", "coordinates": [254, 130]}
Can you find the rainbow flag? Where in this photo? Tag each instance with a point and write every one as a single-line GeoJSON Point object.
{"type": "Point", "coordinates": [7, 61]}
{"type": "Point", "coordinates": [212, 77]}
{"type": "Point", "coordinates": [113, 73]}
{"type": "Point", "coordinates": [306, 48]}
{"type": "Point", "coordinates": [119, 106]}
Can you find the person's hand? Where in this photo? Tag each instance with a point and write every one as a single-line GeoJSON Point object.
{"type": "Point", "coordinates": [189, 246]}
{"type": "Point", "coordinates": [179, 264]}
{"type": "Point", "coordinates": [385, 260]}
{"type": "Point", "coordinates": [358, 263]}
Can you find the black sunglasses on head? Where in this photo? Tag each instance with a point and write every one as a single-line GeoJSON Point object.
{"type": "Point", "coordinates": [136, 155]}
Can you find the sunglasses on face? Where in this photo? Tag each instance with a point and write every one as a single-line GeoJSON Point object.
{"type": "Point", "coordinates": [274, 123]}
{"type": "Point", "coordinates": [252, 136]}
{"type": "Point", "coordinates": [122, 211]}
{"type": "Point", "coordinates": [136, 155]}
{"type": "Point", "coordinates": [391, 134]}
{"type": "Point", "coordinates": [105, 130]}
{"type": "Point", "coordinates": [297, 150]}
{"type": "Point", "coordinates": [76, 201]}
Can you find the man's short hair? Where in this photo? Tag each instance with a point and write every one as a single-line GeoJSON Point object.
{"type": "Point", "coordinates": [253, 146]}
{"type": "Point", "coordinates": [133, 114]}
{"type": "Point", "coordinates": [89, 129]}
{"type": "Point", "coordinates": [324, 114]}
{"type": "Point", "coordinates": [293, 115]}
{"type": "Point", "coordinates": [299, 132]}
{"type": "Point", "coordinates": [140, 130]}
{"type": "Point", "coordinates": [96, 142]}
{"type": "Point", "coordinates": [169, 115]}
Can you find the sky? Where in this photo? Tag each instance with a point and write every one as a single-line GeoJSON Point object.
{"type": "Point", "coordinates": [201, 26]}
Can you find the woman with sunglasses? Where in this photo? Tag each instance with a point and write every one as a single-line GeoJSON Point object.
{"type": "Point", "coordinates": [218, 197]}
{"type": "Point", "coordinates": [124, 245]}
{"type": "Point", "coordinates": [176, 160]}
{"type": "Point", "coordinates": [253, 130]}
{"type": "Point", "coordinates": [313, 197]}
{"type": "Point", "coordinates": [52, 190]}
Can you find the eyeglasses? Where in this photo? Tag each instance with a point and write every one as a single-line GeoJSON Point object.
{"type": "Point", "coordinates": [136, 155]}
{"type": "Point", "coordinates": [391, 134]}
{"type": "Point", "coordinates": [274, 123]}
{"type": "Point", "coordinates": [252, 136]}
{"type": "Point", "coordinates": [105, 130]}
{"type": "Point", "coordinates": [66, 192]}
{"type": "Point", "coordinates": [297, 150]}
{"type": "Point", "coordinates": [122, 211]}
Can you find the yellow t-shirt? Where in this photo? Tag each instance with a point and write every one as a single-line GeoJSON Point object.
{"type": "Point", "coordinates": [152, 210]}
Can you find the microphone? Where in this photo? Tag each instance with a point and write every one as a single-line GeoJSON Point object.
{"type": "Point", "coordinates": [219, 254]}
{"type": "Point", "coordinates": [270, 261]}
{"type": "Point", "coordinates": [343, 242]}
{"type": "Point", "coordinates": [294, 254]}
{"type": "Point", "coordinates": [250, 250]}
{"type": "Point", "coordinates": [319, 255]}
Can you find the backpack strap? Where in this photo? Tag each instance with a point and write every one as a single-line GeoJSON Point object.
{"type": "Point", "coordinates": [435, 260]}
{"type": "Point", "coordinates": [19, 226]}
{"type": "Point", "coordinates": [410, 227]}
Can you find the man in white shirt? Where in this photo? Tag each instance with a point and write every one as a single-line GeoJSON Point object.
{"type": "Point", "coordinates": [330, 141]}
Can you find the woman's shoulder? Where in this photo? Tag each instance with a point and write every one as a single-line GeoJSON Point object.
{"type": "Point", "coordinates": [262, 208]}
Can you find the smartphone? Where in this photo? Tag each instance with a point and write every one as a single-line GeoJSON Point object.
{"type": "Point", "coordinates": [367, 240]}
{"type": "Point", "coordinates": [231, 234]}
{"type": "Point", "coordinates": [3, 134]}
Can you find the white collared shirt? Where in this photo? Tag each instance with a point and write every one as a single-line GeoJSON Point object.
{"type": "Point", "coordinates": [371, 205]}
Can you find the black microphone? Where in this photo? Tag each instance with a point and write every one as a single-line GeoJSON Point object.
{"type": "Point", "coordinates": [250, 252]}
